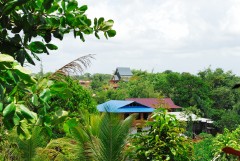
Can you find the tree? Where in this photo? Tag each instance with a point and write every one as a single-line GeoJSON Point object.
{"type": "Point", "coordinates": [162, 142]}
{"type": "Point", "coordinates": [27, 27]}
{"type": "Point", "coordinates": [99, 80]}
{"type": "Point", "coordinates": [75, 99]}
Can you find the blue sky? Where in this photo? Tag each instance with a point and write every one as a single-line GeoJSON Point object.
{"type": "Point", "coordinates": [158, 35]}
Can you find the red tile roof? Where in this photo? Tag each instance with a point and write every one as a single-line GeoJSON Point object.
{"type": "Point", "coordinates": [155, 102]}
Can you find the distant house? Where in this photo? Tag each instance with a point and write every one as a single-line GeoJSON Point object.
{"type": "Point", "coordinates": [122, 73]}
{"type": "Point", "coordinates": [199, 125]}
{"type": "Point", "coordinates": [157, 102]}
{"type": "Point", "coordinates": [125, 108]}
{"type": "Point", "coordinates": [85, 83]}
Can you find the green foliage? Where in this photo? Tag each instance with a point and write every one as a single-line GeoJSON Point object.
{"type": "Point", "coordinates": [210, 91]}
{"type": "Point", "coordinates": [98, 81]}
{"type": "Point", "coordinates": [14, 80]}
{"type": "Point", "coordinates": [227, 139]}
{"type": "Point", "coordinates": [58, 149]}
{"type": "Point", "coordinates": [203, 150]}
{"type": "Point", "coordinates": [162, 142]}
{"type": "Point", "coordinates": [24, 101]}
{"type": "Point", "coordinates": [137, 88]}
{"type": "Point", "coordinates": [102, 138]}
{"type": "Point", "coordinates": [23, 22]}
{"type": "Point", "coordinates": [211, 147]}
{"type": "Point", "coordinates": [14, 148]}
{"type": "Point", "coordinates": [75, 99]}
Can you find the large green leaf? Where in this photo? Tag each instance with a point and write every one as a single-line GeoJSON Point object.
{"type": "Point", "coordinates": [1, 106]}
{"type": "Point", "coordinates": [83, 8]}
{"type": "Point", "coordinates": [9, 110]}
{"type": "Point", "coordinates": [69, 124]}
{"type": "Point", "coordinates": [26, 112]}
{"type": "Point", "coordinates": [34, 100]}
{"type": "Point", "coordinates": [24, 74]}
{"type": "Point", "coordinates": [37, 47]}
{"type": "Point", "coordinates": [58, 87]}
{"type": "Point", "coordinates": [59, 116]}
{"type": "Point", "coordinates": [16, 119]}
{"type": "Point", "coordinates": [70, 19]}
{"type": "Point", "coordinates": [72, 5]}
{"type": "Point", "coordinates": [22, 69]}
{"type": "Point", "coordinates": [111, 33]}
{"type": "Point", "coordinates": [51, 46]}
{"type": "Point", "coordinates": [45, 95]}
{"type": "Point", "coordinates": [54, 8]}
{"type": "Point", "coordinates": [6, 58]}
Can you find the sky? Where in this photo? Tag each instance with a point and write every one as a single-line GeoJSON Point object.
{"type": "Point", "coordinates": [157, 35]}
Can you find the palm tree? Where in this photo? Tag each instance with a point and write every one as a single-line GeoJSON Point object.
{"type": "Point", "coordinates": [103, 137]}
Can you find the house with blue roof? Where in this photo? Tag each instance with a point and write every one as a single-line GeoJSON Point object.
{"type": "Point", "coordinates": [125, 107]}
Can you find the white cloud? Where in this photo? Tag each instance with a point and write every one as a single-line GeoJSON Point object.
{"type": "Point", "coordinates": [181, 35]}
{"type": "Point", "coordinates": [231, 23]}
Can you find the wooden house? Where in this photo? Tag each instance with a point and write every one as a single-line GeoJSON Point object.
{"type": "Point", "coordinates": [121, 73]}
{"type": "Point", "coordinates": [125, 108]}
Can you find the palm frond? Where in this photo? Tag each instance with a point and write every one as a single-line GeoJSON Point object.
{"type": "Point", "coordinates": [86, 134]}
{"type": "Point", "coordinates": [113, 134]}
{"type": "Point", "coordinates": [28, 147]}
{"type": "Point", "coordinates": [76, 66]}
{"type": "Point", "coordinates": [102, 137]}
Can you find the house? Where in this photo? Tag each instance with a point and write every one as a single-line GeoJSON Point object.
{"type": "Point", "coordinates": [124, 108]}
{"type": "Point", "coordinates": [85, 83]}
{"type": "Point", "coordinates": [144, 108]}
{"type": "Point", "coordinates": [199, 124]}
{"type": "Point", "coordinates": [157, 102]}
{"type": "Point", "coordinates": [121, 73]}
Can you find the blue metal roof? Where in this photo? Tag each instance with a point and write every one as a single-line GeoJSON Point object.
{"type": "Point", "coordinates": [120, 106]}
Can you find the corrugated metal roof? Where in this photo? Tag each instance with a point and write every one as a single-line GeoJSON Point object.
{"type": "Point", "coordinates": [182, 117]}
{"type": "Point", "coordinates": [122, 106]}
{"type": "Point", "coordinates": [124, 71]}
{"type": "Point", "coordinates": [155, 102]}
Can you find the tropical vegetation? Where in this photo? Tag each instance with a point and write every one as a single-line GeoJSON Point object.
{"type": "Point", "coordinates": [52, 117]}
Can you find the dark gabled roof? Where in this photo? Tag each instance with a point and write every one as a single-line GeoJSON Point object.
{"type": "Point", "coordinates": [124, 71]}
{"type": "Point", "coordinates": [155, 102]}
{"type": "Point", "coordinates": [122, 106]}
{"type": "Point", "coordinates": [115, 77]}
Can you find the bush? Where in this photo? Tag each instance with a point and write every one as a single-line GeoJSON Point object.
{"type": "Point", "coordinates": [162, 142]}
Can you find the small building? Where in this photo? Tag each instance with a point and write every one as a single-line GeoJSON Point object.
{"type": "Point", "coordinates": [157, 103]}
{"type": "Point", "coordinates": [199, 124]}
{"type": "Point", "coordinates": [85, 83]}
{"type": "Point", "coordinates": [124, 108]}
{"type": "Point", "coordinates": [121, 73]}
